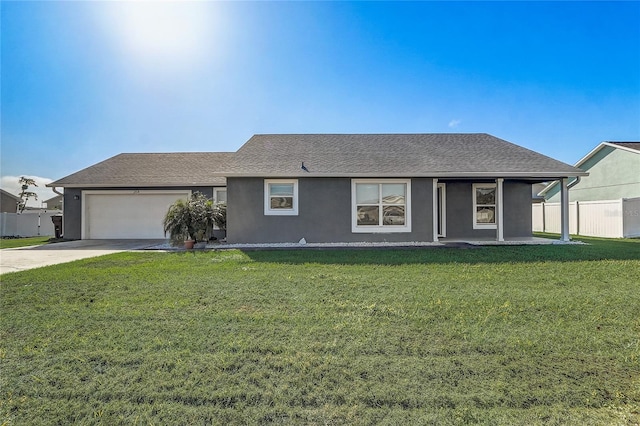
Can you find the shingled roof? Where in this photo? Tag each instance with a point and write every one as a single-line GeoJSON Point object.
{"type": "Point", "coordinates": [328, 155]}
{"type": "Point", "coordinates": [635, 146]}
{"type": "Point", "coordinates": [400, 155]}
{"type": "Point", "coordinates": [151, 170]}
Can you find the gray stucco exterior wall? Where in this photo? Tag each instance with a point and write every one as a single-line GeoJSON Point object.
{"type": "Point", "coordinates": [459, 212]}
{"type": "Point", "coordinates": [72, 213]}
{"type": "Point", "coordinates": [325, 214]}
{"type": "Point", "coordinates": [517, 209]}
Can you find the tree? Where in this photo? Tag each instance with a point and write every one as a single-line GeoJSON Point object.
{"type": "Point", "coordinates": [25, 194]}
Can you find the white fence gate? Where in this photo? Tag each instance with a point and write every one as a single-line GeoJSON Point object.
{"type": "Point", "coordinates": [609, 218]}
{"type": "Point", "coordinates": [27, 224]}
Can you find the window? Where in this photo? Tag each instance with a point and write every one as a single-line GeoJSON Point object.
{"type": "Point", "coordinates": [281, 197]}
{"type": "Point", "coordinates": [219, 195]}
{"type": "Point", "coordinates": [484, 205]}
{"type": "Point", "coordinates": [381, 206]}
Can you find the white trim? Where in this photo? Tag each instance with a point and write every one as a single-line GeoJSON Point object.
{"type": "Point", "coordinates": [268, 211]}
{"type": "Point", "coordinates": [500, 209]}
{"type": "Point", "coordinates": [216, 200]}
{"type": "Point", "coordinates": [587, 157]}
{"type": "Point", "coordinates": [434, 210]}
{"type": "Point", "coordinates": [83, 217]}
{"type": "Point", "coordinates": [217, 189]}
{"type": "Point", "coordinates": [477, 225]}
{"type": "Point", "coordinates": [389, 229]}
{"type": "Point", "coordinates": [443, 211]}
{"type": "Point", "coordinates": [564, 211]}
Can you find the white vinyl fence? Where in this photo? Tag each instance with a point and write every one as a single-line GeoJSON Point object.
{"type": "Point", "coordinates": [609, 218]}
{"type": "Point", "coordinates": [27, 224]}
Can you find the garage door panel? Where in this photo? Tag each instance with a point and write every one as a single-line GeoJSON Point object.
{"type": "Point", "coordinates": [124, 216]}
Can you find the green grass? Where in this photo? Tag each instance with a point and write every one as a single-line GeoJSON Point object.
{"type": "Point", "coordinates": [22, 242]}
{"type": "Point", "coordinates": [493, 335]}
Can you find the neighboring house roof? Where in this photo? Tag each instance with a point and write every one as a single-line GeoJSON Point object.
{"type": "Point", "coordinates": [535, 190]}
{"type": "Point", "coordinates": [54, 202]}
{"type": "Point", "coordinates": [10, 195]}
{"type": "Point", "coordinates": [8, 202]}
{"type": "Point", "coordinates": [54, 199]}
{"type": "Point", "coordinates": [150, 170]}
{"type": "Point", "coordinates": [633, 146]}
{"type": "Point", "coordinates": [626, 146]}
{"type": "Point", "coordinates": [473, 155]}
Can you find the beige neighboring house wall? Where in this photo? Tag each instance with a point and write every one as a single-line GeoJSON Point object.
{"type": "Point", "coordinates": [8, 202]}
{"type": "Point", "coordinates": [54, 203]}
{"type": "Point", "coordinates": [613, 174]}
{"type": "Point", "coordinates": [606, 203]}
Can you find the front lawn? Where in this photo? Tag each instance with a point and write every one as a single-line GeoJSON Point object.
{"type": "Point", "coordinates": [22, 242]}
{"type": "Point", "coordinates": [493, 335]}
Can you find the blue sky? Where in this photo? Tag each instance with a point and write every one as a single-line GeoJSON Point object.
{"type": "Point", "coordinates": [83, 81]}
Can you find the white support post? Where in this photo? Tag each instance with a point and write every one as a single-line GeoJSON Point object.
{"type": "Point", "coordinates": [499, 210]}
{"type": "Point", "coordinates": [564, 210]}
{"type": "Point", "coordinates": [435, 210]}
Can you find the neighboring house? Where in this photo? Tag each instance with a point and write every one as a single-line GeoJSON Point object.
{"type": "Point", "coordinates": [8, 202]}
{"type": "Point", "coordinates": [606, 203]}
{"type": "Point", "coordinates": [324, 188]}
{"type": "Point", "coordinates": [29, 223]}
{"type": "Point", "coordinates": [54, 203]}
{"type": "Point", "coordinates": [536, 188]}
{"type": "Point", "coordinates": [614, 173]}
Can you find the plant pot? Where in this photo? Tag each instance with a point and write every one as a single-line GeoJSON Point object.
{"type": "Point", "coordinates": [200, 245]}
{"type": "Point", "coordinates": [188, 244]}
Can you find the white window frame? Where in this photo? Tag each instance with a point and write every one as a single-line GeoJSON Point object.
{"type": "Point", "coordinates": [268, 211]}
{"type": "Point", "coordinates": [216, 200]}
{"type": "Point", "coordinates": [477, 225]}
{"type": "Point", "coordinates": [215, 193]}
{"type": "Point", "coordinates": [355, 228]}
{"type": "Point", "coordinates": [442, 228]}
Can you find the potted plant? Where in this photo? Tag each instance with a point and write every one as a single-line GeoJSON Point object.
{"type": "Point", "coordinates": [188, 221]}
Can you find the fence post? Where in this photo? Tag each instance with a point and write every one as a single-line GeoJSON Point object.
{"type": "Point", "coordinates": [564, 210]}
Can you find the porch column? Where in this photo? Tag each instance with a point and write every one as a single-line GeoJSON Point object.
{"type": "Point", "coordinates": [499, 210]}
{"type": "Point", "coordinates": [434, 202]}
{"type": "Point", "coordinates": [564, 209]}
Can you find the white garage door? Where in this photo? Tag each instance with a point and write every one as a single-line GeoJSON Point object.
{"type": "Point", "coordinates": [126, 214]}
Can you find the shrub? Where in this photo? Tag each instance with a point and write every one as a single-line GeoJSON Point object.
{"type": "Point", "coordinates": [189, 220]}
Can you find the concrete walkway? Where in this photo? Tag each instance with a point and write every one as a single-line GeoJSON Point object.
{"type": "Point", "coordinates": [23, 258]}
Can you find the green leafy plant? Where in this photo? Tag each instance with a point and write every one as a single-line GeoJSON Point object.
{"type": "Point", "coordinates": [220, 216]}
{"type": "Point", "coordinates": [190, 219]}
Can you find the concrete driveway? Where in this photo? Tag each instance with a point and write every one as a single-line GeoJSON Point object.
{"type": "Point", "coordinates": [23, 258]}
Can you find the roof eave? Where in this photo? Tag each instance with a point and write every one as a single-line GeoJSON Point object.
{"type": "Point", "coordinates": [136, 185]}
{"type": "Point", "coordinates": [467, 175]}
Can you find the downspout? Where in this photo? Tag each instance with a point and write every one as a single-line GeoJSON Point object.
{"type": "Point", "coordinates": [54, 189]}
{"type": "Point", "coordinates": [574, 183]}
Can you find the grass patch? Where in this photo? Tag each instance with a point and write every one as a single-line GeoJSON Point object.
{"type": "Point", "coordinates": [22, 242]}
{"type": "Point", "coordinates": [492, 335]}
